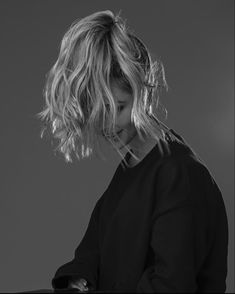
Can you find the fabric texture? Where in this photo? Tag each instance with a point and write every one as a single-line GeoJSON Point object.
{"type": "Point", "coordinates": [160, 226]}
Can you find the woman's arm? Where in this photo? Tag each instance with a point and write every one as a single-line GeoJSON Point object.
{"type": "Point", "coordinates": [173, 251]}
{"type": "Point", "coordinates": [85, 262]}
{"type": "Point", "coordinates": [189, 240]}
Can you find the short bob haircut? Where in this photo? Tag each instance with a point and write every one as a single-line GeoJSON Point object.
{"type": "Point", "coordinates": [94, 51]}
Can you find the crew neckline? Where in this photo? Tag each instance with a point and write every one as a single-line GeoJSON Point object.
{"type": "Point", "coordinates": [142, 162]}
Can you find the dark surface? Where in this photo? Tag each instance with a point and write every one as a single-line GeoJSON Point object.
{"type": "Point", "coordinates": [64, 291]}
{"type": "Point", "coordinates": [42, 291]}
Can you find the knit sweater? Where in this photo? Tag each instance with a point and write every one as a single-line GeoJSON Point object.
{"type": "Point", "coordinates": [160, 226]}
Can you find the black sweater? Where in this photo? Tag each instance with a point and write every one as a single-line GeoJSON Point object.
{"type": "Point", "coordinates": [160, 226]}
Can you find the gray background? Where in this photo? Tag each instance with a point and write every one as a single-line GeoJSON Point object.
{"type": "Point", "coordinates": [45, 204]}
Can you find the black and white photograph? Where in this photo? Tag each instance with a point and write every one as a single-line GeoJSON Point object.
{"type": "Point", "coordinates": [117, 143]}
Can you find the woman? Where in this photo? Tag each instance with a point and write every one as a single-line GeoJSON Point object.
{"type": "Point", "coordinates": [161, 225]}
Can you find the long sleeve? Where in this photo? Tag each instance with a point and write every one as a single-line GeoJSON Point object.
{"type": "Point", "coordinates": [180, 237]}
{"type": "Point", "coordinates": [86, 258]}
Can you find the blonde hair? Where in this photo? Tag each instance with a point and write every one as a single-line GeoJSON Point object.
{"type": "Point", "coordinates": [95, 50]}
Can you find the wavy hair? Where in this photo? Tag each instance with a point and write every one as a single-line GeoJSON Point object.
{"type": "Point", "coordinates": [95, 50]}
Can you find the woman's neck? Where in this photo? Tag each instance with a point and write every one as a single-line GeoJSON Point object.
{"type": "Point", "coordinates": [141, 151]}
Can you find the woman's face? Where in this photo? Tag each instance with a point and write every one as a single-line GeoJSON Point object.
{"type": "Point", "coordinates": [125, 130]}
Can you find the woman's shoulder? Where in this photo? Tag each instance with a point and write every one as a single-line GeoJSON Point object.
{"type": "Point", "coordinates": [183, 161]}
{"type": "Point", "coordinates": [185, 166]}
{"type": "Point", "coordinates": [184, 179]}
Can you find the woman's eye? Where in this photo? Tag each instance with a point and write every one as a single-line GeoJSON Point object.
{"type": "Point", "coordinates": [120, 108]}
